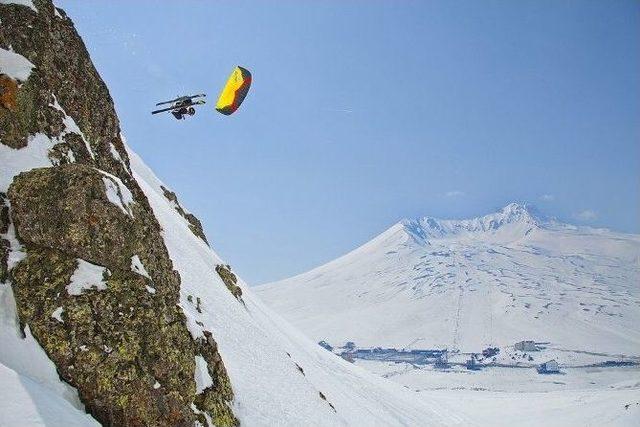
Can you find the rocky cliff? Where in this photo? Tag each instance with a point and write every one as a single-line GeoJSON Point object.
{"type": "Point", "coordinates": [96, 287]}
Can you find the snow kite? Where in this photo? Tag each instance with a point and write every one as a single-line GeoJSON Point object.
{"type": "Point", "coordinates": [234, 91]}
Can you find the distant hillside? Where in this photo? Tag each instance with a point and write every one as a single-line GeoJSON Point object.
{"type": "Point", "coordinates": [469, 284]}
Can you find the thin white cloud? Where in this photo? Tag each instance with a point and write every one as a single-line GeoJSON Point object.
{"type": "Point", "coordinates": [454, 193]}
{"type": "Point", "coordinates": [547, 197]}
{"type": "Point", "coordinates": [586, 215]}
{"type": "Point", "coordinates": [340, 110]}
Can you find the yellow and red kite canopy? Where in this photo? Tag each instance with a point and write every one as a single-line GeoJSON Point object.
{"type": "Point", "coordinates": [234, 91]}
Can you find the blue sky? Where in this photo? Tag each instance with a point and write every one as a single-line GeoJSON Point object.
{"type": "Point", "coordinates": [365, 112]}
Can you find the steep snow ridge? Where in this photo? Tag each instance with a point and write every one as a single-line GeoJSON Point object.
{"type": "Point", "coordinates": [27, 402]}
{"type": "Point", "coordinates": [469, 284]}
{"type": "Point", "coordinates": [254, 342]}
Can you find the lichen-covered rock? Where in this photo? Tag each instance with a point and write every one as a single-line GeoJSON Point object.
{"type": "Point", "coordinates": [113, 345]}
{"type": "Point", "coordinates": [17, 123]}
{"type": "Point", "coordinates": [214, 399]}
{"type": "Point", "coordinates": [230, 280]}
{"type": "Point", "coordinates": [67, 208]}
{"type": "Point", "coordinates": [63, 69]}
{"type": "Point", "coordinates": [123, 341]}
{"type": "Point", "coordinates": [4, 243]}
{"type": "Point", "coordinates": [194, 223]}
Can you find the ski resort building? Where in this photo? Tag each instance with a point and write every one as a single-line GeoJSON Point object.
{"type": "Point", "coordinates": [471, 364]}
{"type": "Point", "coordinates": [549, 367]}
{"type": "Point", "coordinates": [347, 356]}
{"type": "Point", "coordinates": [526, 346]}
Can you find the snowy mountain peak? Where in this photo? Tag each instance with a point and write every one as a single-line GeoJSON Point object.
{"type": "Point", "coordinates": [517, 211]}
{"type": "Point", "coordinates": [518, 218]}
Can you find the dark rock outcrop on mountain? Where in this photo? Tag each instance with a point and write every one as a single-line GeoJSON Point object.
{"type": "Point", "coordinates": [122, 343]}
{"type": "Point", "coordinates": [230, 280]}
{"type": "Point", "coordinates": [4, 244]}
{"type": "Point", "coordinates": [194, 223]}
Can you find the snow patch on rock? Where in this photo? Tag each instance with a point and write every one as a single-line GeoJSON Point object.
{"type": "Point", "coordinates": [34, 155]}
{"type": "Point", "coordinates": [201, 375]}
{"type": "Point", "coordinates": [57, 314]}
{"type": "Point", "coordinates": [16, 251]}
{"type": "Point", "coordinates": [86, 276]}
{"type": "Point", "coordinates": [206, 416]}
{"type": "Point", "coordinates": [118, 193]}
{"type": "Point", "coordinates": [27, 3]}
{"type": "Point", "coordinates": [138, 267]}
{"type": "Point", "coordinates": [70, 126]}
{"type": "Point", "coordinates": [115, 154]}
{"type": "Point", "coordinates": [15, 65]}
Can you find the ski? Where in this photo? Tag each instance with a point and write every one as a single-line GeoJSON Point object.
{"type": "Point", "coordinates": [182, 98]}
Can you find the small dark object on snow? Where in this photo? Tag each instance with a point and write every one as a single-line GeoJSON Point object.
{"type": "Point", "coordinates": [325, 345]}
{"type": "Point", "coordinates": [471, 364]}
{"type": "Point", "coordinates": [550, 367]}
{"type": "Point", "coordinates": [490, 351]}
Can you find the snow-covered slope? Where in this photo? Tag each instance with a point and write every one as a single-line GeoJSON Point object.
{"type": "Point", "coordinates": [469, 284]}
{"type": "Point", "coordinates": [277, 373]}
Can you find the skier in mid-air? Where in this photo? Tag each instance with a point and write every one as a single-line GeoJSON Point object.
{"type": "Point", "coordinates": [182, 106]}
{"type": "Point", "coordinates": [231, 97]}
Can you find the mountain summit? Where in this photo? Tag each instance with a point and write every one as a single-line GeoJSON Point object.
{"type": "Point", "coordinates": [514, 216]}
{"type": "Point", "coordinates": [468, 284]}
